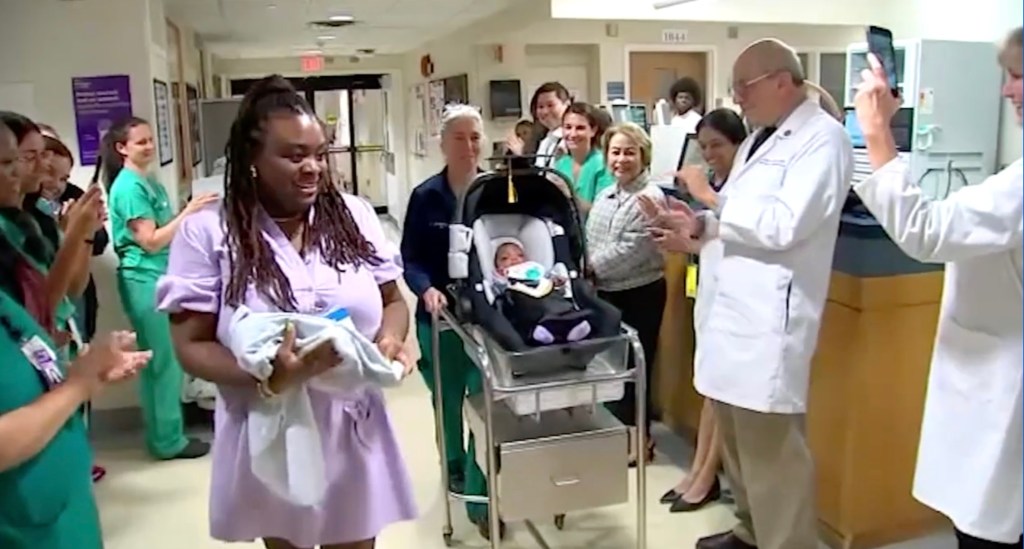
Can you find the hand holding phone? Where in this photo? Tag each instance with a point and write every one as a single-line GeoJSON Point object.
{"type": "Point", "coordinates": [880, 45]}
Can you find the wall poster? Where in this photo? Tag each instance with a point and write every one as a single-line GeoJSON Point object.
{"type": "Point", "coordinates": [435, 93]}
{"type": "Point", "coordinates": [162, 100]}
{"type": "Point", "coordinates": [99, 103]}
{"type": "Point", "coordinates": [192, 98]}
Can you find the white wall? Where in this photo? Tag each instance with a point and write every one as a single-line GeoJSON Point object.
{"type": "Point", "coordinates": [734, 11]}
{"type": "Point", "coordinates": [534, 46]}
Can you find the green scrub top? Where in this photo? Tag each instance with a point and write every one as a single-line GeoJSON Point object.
{"type": "Point", "coordinates": [134, 196]}
{"type": "Point", "coordinates": [16, 236]}
{"type": "Point", "coordinates": [46, 502]}
{"type": "Point", "coordinates": [594, 175]}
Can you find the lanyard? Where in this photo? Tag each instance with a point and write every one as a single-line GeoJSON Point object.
{"type": "Point", "coordinates": [38, 351]}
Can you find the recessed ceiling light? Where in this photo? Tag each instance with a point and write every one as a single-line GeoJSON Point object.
{"type": "Point", "coordinates": [341, 18]}
{"type": "Point", "coordinates": [326, 37]}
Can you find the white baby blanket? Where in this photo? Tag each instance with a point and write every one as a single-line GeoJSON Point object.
{"type": "Point", "coordinates": [284, 438]}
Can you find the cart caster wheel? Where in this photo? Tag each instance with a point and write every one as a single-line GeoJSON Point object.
{"type": "Point", "coordinates": [560, 522]}
{"type": "Point", "coordinates": [447, 539]}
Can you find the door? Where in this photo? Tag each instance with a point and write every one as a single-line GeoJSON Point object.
{"type": "Point", "coordinates": [353, 109]}
{"type": "Point", "coordinates": [369, 150]}
{"type": "Point", "coordinates": [332, 106]}
{"type": "Point", "coordinates": [651, 74]}
{"type": "Point", "coordinates": [356, 123]}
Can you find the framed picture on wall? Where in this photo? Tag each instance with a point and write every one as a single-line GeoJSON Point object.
{"type": "Point", "coordinates": [162, 100]}
{"type": "Point", "coordinates": [192, 97]}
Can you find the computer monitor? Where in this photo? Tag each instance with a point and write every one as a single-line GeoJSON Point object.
{"type": "Point", "coordinates": [901, 127]}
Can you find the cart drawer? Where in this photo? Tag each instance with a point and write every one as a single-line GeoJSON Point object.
{"type": "Point", "coordinates": [560, 463]}
{"type": "Point", "coordinates": [579, 472]}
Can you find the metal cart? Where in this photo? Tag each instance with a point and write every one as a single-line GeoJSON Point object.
{"type": "Point", "coordinates": [550, 462]}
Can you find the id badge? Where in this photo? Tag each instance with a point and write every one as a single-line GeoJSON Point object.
{"type": "Point", "coordinates": [44, 360]}
{"type": "Point", "coordinates": [691, 280]}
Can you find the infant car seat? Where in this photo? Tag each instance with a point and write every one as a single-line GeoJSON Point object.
{"type": "Point", "coordinates": [526, 206]}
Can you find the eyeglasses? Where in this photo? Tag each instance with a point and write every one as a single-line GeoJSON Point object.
{"type": "Point", "coordinates": [743, 86]}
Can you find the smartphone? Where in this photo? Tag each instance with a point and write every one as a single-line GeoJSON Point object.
{"type": "Point", "coordinates": [880, 44]}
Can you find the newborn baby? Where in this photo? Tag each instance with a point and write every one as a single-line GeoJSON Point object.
{"type": "Point", "coordinates": [535, 301]}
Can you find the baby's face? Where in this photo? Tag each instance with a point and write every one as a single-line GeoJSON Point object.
{"type": "Point", "coordinates": [508, 255]}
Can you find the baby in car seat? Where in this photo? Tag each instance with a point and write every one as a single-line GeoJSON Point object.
{"type": "Point", "coordinates": [534, 300]}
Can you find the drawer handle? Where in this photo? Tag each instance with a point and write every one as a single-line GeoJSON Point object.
{"type": "Point", "coordinates": [565, 482]}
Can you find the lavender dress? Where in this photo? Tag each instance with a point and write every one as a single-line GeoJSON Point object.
{"type": "Point", "coordinates": [369, 486]}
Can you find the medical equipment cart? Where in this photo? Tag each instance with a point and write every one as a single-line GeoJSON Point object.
{"type": "Point", "coordinates": [543, 457]}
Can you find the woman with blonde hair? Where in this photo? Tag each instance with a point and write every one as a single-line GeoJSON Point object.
{"type": "Point", "coordinates": [626, 265]}
{"type": "Point", "coordinates": [972, 413]}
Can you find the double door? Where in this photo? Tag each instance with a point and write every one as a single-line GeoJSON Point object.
{"type": "Point", "coordinates": [354, 109]}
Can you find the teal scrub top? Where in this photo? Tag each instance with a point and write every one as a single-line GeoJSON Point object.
{"type": "Point", "coordinates": [134, 196]}
{"type": "Point", "coordinates": [594, 175]}
{"type": "Point", "coordinates": [46, 502]}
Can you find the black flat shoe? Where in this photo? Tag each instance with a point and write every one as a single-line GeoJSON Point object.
{"type": "Point", "coordinates": [682, 506]}
{"type": "Point", "coordinates": [725, 540]}
{"type": "Point", "coordinates": [193, 450]}
{"type": "Point", "coordinates": [670, 497]}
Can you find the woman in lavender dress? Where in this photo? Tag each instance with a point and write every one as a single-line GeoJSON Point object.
{"type": "Point", "coordinates": [284, 239]}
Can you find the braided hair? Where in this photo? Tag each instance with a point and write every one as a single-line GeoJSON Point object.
{"type": "Point", "coordinates": [333, 230]}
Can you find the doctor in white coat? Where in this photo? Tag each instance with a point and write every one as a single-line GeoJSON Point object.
{"type": "Point", "coordinates": [777, 220]}
{"type": "Point", "coordinates": [969, 461]}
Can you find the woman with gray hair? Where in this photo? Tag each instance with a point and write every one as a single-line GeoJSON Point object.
{"type": "Point", "coordinates": [425, 254]}
{"type": "Point", "coordinates": [972, 414]}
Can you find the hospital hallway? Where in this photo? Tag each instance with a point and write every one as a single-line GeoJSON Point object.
{"type": "Point", "coordinates": [163, 505]}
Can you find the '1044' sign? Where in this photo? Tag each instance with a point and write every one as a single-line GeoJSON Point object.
{"type": "Point", "coordinates": [673, 36]}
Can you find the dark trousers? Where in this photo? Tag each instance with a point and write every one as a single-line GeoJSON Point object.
{"type": "Point", "coordinates": [969, 542]}
{"type": "Point", "coordinates": [642, 309]}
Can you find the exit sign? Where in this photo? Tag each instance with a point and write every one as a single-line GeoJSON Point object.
{"type": "Point", "coordinates": [312, 63]}
{"type": "Point", "coordinates": [673, 36]}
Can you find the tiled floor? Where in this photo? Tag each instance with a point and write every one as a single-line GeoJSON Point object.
{"type": "Point", "coordinates": [164, 505]}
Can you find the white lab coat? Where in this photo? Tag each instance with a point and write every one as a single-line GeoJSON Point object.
{"type": "Point", "coordinates": [969, 460]}
{"type": "Point", "coordinates": [547, 149]}
{"type": "Point", "coordinates": [778, 227]}
{"type": "Point", "coordinates": [687, 121]}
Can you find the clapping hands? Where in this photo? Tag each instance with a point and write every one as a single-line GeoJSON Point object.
{"type": "Point", "coordinates": [672, 225]}
{"type": "Point", "coordinates": [111, 359]}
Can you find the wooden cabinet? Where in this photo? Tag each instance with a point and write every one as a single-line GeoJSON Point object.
{"type": "Point", "coordinates": [868, 386]}
{"type": "Point", "coordinates": [867, 392]}
{"type": "Point", "coordinates": [672, 391]}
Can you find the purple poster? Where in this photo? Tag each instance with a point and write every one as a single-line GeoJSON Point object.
{"type": "Point", "coordinates": [100, 102]}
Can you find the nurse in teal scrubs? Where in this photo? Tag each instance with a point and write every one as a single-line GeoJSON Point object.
{"type": "Point", "coordinates": [142, 224]}
{"type": "Point", "coordinates": [584, 166]}
{"type": "Point", "coordinates": [46, 497]}
{"type": "Point", "coordinates": [31, 229]}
